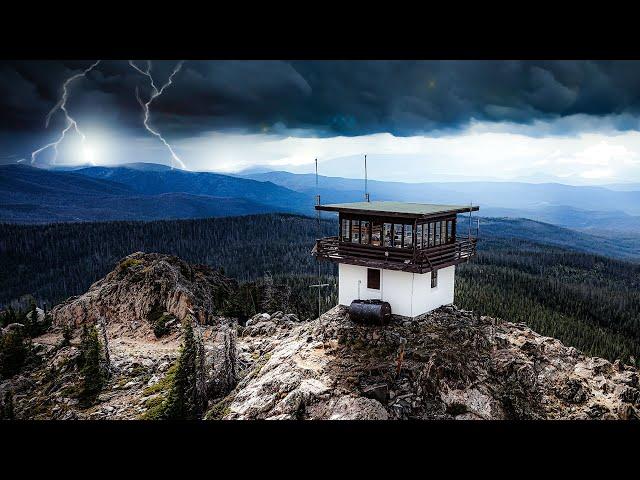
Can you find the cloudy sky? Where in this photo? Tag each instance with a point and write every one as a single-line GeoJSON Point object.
{"type": "Point", "coordinates": [570, 121]}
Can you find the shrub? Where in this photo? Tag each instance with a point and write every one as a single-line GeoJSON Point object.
{"type": "Point", "coordinates": [6, 406]}
{"type": "Point", "coordinates": [67, 334]}
{"type": "Point", "coordinates": [13, 352]}
{"type": "Point", "coordinates": [160, 327]}
{"type": "Point", "coordinates": [129, 262]}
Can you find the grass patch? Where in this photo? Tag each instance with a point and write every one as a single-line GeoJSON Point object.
{"type": "Point", "coordinates": [156, 404]}
{"type": "Point", "coordinates": [220, 409]}
{"type": "Point", "coordinates": [163, 384]}
{"type": "Point", "coordinates": [129, 262]}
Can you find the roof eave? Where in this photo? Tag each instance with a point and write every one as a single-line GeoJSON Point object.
{"type": "Point", "coordinates": [328, 208]}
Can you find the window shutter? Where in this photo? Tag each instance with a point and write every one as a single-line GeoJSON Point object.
{"type": "Point", "coordinates": [373, 278]}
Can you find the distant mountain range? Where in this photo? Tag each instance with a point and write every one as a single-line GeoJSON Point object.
{"type": "Point", "coordinates": [487, 194]}
{"type": "Point", "coordinates": [596, 209]}
{"type": "Point", "coordinates": [144, 191]}
{"type": "Point", "coordinates": [135, 192]}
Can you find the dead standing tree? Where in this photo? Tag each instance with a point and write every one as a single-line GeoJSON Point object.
{"type": "Point", "coordinates": [230, 373]}
{"type": "Point", "coordinates": [200, 400]}
{"type": "Point", "coordinates": [105, 341]}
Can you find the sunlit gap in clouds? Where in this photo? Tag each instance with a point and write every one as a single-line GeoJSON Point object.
{"type": "Point", "coordinates": [467, 155]}
{"type": "Point", "coordinates": [480, 152]}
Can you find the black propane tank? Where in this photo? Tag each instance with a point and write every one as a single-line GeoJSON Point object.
{"type": "Point", "coordinates": [371, 312]}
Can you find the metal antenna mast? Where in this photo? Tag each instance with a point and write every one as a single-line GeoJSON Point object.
{"type": "Point", "coordinates": [366, 192]}
{"type": "Point", "coordinates": [319, 285]}
{"type": "Point", "coordinates": [470, 207]}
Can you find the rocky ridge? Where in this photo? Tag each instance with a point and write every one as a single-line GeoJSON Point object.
{"type": "Point", "coordinates": [448, 364]}
{"type": "Point", "coordinates": [143, 285]}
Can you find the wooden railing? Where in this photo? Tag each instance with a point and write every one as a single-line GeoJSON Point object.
{"type": "Point", "coordinates": [419, 260]}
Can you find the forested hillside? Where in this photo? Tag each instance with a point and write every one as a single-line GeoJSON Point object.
{"type": "Point", "coordinates": [586, 300]}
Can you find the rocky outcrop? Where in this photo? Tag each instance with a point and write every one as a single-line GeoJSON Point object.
{"type": "Point", "coordinates": [145, 286]}
{"type": "Point", "coordinates": [448, 364]}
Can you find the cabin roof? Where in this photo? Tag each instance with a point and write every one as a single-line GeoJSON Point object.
{"type": "Point", "coordinates": [402, 209]}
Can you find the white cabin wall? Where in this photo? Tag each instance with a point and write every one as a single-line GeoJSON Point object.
{"type": "Point", "coordinates": [426, 298]}
{"type": "Point", "coordinates": [409, 294]}
{"type": "Point", "coordinates": [348, 278]}
{"type": "Point", "coordinates": [397, 289]}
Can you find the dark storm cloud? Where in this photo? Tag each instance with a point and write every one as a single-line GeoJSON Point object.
{"type": "Point", "coordinates": [324, 97]}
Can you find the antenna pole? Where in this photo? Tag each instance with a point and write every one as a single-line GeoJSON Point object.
{"type": "Point", "coordinates": [319, 236]}
{"type": "Point", "coordinates": [470, 206]}
{"type": "Point", "coordinates": [366, 191]}
{"type": "Point", "coordinates": [319, 285]}
{"type": "Point", "coordinates": [317, 199]}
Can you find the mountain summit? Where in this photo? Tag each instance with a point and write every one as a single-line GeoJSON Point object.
{"type": "Point", "coordinates": [446, 364]}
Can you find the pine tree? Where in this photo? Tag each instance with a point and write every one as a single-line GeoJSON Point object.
{"type": "Point", "coordinates": [183, 401]}
{"type": "Point", "coordinates": [92, 376]}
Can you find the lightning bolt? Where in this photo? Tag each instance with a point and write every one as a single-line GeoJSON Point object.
{"type": "Point", "coordinates": [155, 93]}
{"type": "Point", "coordinates": [70, 121]}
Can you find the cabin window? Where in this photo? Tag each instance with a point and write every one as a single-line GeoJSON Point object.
{"type": "Point", "coordinates": [434, 278]}
{"type": "Point", "coordinates": [365, 228]}
{"type": "Point", "coordinates": [443, 233]}
{"type": "Point", "coordinates": [397, 236]}
{"type": "Point", "coordinates": [355, 231]}
{"type": "Point", "coordinates": [408, 236]}
{"type": "Point", "coordinates": [388, 234]}
{"type": "Point", "coordinates": [346, 230]}
{"type": "Point", "coordinates": [419, 236]}
{"type": "Point", "coordinates": [373, 278]}
{"type": "Point", "coordinates": [450, 238]}
{"type": "Point", "coordinates": [436, 236]}
{"type": "Point", "coordinates": [376, 234]}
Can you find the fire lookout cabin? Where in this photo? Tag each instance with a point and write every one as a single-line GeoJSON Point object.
{"type": "Point", "coordinates": [401, 253]}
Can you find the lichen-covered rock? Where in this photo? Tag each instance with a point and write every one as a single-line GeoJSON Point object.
{"type": "Point", "coordinates": [449, 363]}
{"type": "Point", "coordinates": [144, 286]}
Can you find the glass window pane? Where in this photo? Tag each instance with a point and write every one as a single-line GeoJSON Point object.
{"type": "Point", "coordinates": [355, 234]}
{"type": "Point", "coordinates": [419, 236]}
{"type": "Point", "coordinates": [397, 236]}
{"type": "Point", "coordinates": [376, 234]}
{"type": "Point", "coordinates": [388, 234]}
{"type": "Point", "coordinates": [436, 234]}
{"type": "Point", "coordinates": [345, 229]}
{"type": "Point", "coordinates": [408, 236]}
{"type": "Point", "coordinates": [365, 227]}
